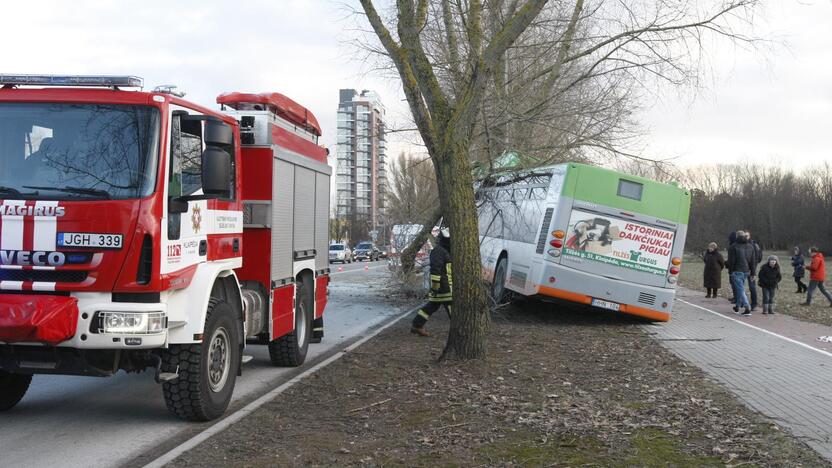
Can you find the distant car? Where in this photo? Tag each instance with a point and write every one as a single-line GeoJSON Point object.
{"type": "Point", "coordinates": [340, 252]}
{"type": "Point", "coordinates": [383, 252]}
{"type": "Point", "coordinates": [366, 251]}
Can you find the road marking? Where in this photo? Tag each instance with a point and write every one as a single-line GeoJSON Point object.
{"type": "Point", "coordinates": [356, 270]}
{"type": "Point", "coordinates": [826, 353]}
{"type": "Point", "coordinates": [254, 405]}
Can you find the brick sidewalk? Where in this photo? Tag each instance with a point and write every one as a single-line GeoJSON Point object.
{"type": "Point", "coordinates": [772, 363]}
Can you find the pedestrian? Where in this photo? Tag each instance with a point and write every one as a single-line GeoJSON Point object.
{"type": "Point", "coordinates": [714, 264]}
{"type": "Point", "coordinates": [732, 238]}
{"type": "Point", "coordinates": [817, 275]}
{"type": "Point", "coordinates": [441, 283]}
{"type": "Point", "coordinates": [741, 265]}
{"type": "Point", "coordinates": [799, 270]}
{"type": "Point", "coordinates": [768, 278]}
{"type": "Point", "coordinates": [758, 259]}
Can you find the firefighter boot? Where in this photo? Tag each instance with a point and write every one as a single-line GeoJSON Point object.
{"type": "Point", "coordinates": [419, 331]}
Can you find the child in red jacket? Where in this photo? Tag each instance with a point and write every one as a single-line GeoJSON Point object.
{"type": "Point", "coordinates": [817, 276]}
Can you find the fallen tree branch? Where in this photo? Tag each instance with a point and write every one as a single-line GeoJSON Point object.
{"type": "Point", "coordinates": [369, 406]}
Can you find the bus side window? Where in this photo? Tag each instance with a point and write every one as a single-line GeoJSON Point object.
{"type": "Point", "coordinates": [521, 194]}
{"type": "Point", "coordinates": [538, 193]}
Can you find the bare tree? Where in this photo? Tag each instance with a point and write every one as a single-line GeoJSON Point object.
{"type": "Point", "coordinates": [556, 78]}
{"type": "Point", "coordinates": [413, 189]}
{"type": "Point", "coordinates": [446, 123]}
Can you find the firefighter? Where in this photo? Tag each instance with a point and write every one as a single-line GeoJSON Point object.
{"type": "Point", "coordinates": [441, 283]}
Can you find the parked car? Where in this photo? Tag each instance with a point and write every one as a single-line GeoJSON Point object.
{"type": "Point", "coordinates": [383, 251]}
{"type": "Point", "coordinates": [366, 251]}
{"type": "Point", "coordinates": [340, 252]}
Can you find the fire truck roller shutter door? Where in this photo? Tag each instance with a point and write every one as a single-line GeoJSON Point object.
{"type": "Point", "coordinates": [321, 220]}
{"type": "Point", "coordinates": [304, 236]}
{"type": "Point", "coordinates": [283, 189]}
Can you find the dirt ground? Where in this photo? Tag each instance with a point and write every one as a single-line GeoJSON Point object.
{"type": "Point", "coordinates": [561, 387]}
{"type": "Point", "coordinates": [786, 300]}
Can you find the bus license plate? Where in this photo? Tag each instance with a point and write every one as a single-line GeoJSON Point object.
{"type": "Point", "coordinates": [606, 304]}
{"type": "Point", "coordinates": [90, 240]}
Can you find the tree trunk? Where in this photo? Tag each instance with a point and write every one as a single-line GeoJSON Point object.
{"type": "Point", "coordinates": [470, 317]}
{"type": "Point", "coordinates": [408, 256]}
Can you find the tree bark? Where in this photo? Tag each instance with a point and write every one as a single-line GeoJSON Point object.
{"type": "Point", "coordinates": [470, 318]}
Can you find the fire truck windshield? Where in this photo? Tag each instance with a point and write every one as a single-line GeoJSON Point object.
{"type": "Point", "coordinates": [77, 151]}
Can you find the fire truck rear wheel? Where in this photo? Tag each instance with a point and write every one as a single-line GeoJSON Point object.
{"type": "Point", "coordinates": [207, 370]}
{"type": "Point", "coordinates": [12, 389]}
{"type": "Point", "coordinates": [290, 350]}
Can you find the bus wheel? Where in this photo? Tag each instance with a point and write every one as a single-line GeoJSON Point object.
{"type": "Point", "coordinates": [498, 286]}
{"type": "Point", "coordinates": [12, 388]}
{"type": "Point", "coordinates": [207, 370]}
{"type": "Point", "coordinates": [290, 350]}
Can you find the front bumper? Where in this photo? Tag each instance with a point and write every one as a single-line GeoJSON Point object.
{"type": "Point", "coordinates": [649, 302]}
{"type": "Point", "coordinates": [87, 334]}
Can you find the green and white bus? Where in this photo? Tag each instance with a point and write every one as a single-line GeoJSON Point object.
{"type": "Point", "coordinates": [583, 234]}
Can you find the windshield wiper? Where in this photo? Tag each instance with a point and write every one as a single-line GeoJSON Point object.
{"type": "Point", "coordinates": [79, 190]}
{"type": "Point", "coordinates": [15, 191]}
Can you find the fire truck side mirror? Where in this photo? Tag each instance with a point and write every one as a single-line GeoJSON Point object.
{"type": "Point", "coordinates": [216, 172]}
{"type": "Point", "coordinates": [218, 133]}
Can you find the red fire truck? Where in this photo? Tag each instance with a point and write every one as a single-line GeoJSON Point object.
{"type": "Point", "coordinates": [141, 231]}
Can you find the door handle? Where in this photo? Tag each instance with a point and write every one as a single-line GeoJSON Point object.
{"type": "Point", "coordinates": [203, 248]}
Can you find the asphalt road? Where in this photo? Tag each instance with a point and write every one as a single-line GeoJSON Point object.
{"type": "Point", "coordinates": [84, 421]}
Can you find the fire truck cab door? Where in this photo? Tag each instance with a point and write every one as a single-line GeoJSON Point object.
{"type": "Point", "coordinates": [186, 242]}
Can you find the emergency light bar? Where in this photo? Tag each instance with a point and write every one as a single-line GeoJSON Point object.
{"type": "Point", "coordinates": [71, 80]}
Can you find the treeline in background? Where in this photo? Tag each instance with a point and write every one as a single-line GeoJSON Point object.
{"type": "Point", "coordinates": [781, 207]}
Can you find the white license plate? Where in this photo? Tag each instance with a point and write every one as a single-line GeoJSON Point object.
{"type": "Point", "coordinates": [606, 304]}
{"type": "Point", "coordinates": [90, 240]}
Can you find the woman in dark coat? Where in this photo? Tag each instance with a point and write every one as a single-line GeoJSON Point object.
{"type": "Point", "coordinates": [714, 264]}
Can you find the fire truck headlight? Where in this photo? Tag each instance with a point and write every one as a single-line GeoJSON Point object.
{"type": "Point", "coordinates": [147, 323]}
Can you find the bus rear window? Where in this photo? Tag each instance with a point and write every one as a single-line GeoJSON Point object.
{"type": "Point", "coordinates": [629, 189]}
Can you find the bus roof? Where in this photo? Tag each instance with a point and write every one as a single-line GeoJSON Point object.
{"type": "Point", "coordinates": [601, 186]}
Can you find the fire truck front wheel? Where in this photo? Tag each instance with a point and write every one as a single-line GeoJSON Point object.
{"type": "Point", "coordinates": [290, 350]}
{"type": "Point", "coordinates": [207, 370]}
{"type": "Point", "coordinates": [12, 388]}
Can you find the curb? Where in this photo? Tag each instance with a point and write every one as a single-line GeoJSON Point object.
{"type": "Point", "coordinates": [267, 397]}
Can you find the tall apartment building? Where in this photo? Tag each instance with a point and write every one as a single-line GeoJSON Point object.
{"type": "Point", "coordinates": [361, 174]}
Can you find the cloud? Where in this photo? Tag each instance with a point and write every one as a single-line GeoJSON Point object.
{"type": "Point", "coordinates": [206, 48]}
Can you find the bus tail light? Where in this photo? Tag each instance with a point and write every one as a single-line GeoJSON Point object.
{"type": "Point", "coordinates": [558, 234]}
{"type": "Point", "coordinates": [556, 243]}
{"type": "Point", "coordinates": [676, 261]}
{"type": "Point", "coordinates": [674, 271]}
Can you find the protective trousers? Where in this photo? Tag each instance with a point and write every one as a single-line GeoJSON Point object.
{"type": "Point", "coordinates": [427, 310]}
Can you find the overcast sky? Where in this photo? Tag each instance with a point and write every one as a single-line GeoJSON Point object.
{"type": "Point", "coordinates": [769, 106]}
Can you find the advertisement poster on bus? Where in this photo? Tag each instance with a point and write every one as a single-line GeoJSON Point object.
{"type": "Point", "coordinates": [619, 242]}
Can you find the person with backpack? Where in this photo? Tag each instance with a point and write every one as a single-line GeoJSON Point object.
{"type": "Point", "coordinates": [741, 264]}
{"type": "Point", "coordinates": [768, 278]}
{"type": "Point", "coordinates": [799, 270]}
{"type": "Point", "coordinates": [817, 275]}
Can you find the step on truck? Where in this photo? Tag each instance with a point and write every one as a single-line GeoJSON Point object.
{"type": "Point", "coordinates": [142, 232]}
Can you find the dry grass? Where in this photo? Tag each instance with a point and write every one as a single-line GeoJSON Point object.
{"type": "Point", "coordinates": [560, 387]}
{"type": "Point", "coordinates": [786, 300]}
